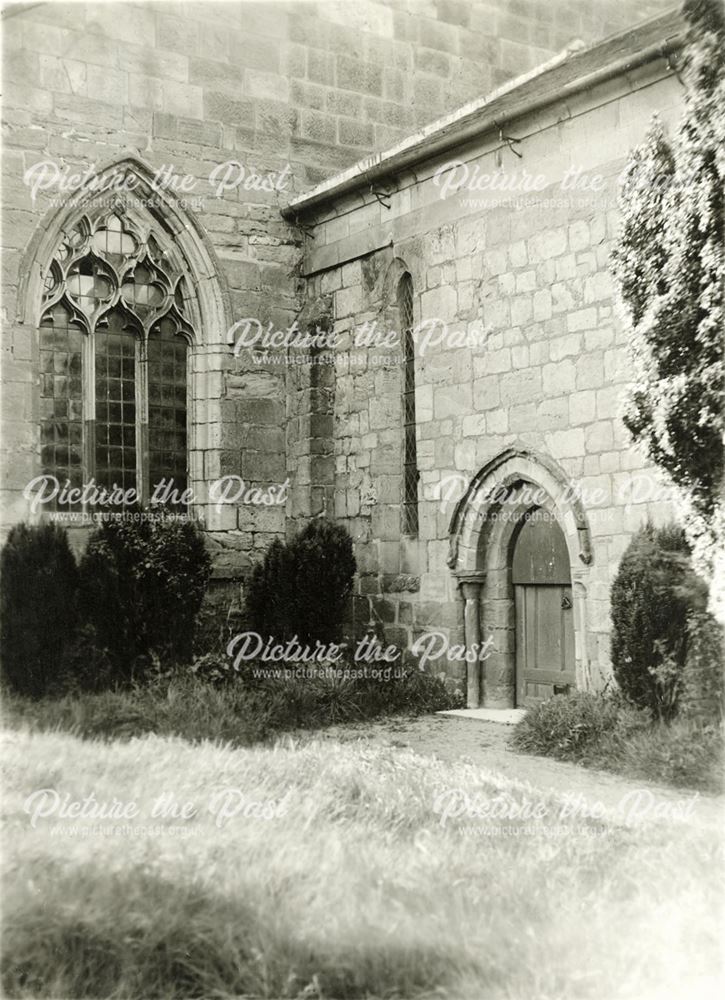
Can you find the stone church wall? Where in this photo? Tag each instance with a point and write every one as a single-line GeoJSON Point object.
{"type": "Point", "coordinates": [300, 90]}
{"type": "Point", "coordinates": [189, 86]}
{"type": "Point", "coordinates": [527, 281]}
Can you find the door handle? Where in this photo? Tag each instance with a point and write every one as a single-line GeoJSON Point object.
{"type": "Point", "coordinates": [566, 602]}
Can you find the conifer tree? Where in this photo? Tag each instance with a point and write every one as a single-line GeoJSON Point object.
{"type": "Point", "coordinates": [669, 264]}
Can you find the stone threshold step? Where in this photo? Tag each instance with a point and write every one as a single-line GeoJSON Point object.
{"type": "Point", "coordinates": [507, 716]}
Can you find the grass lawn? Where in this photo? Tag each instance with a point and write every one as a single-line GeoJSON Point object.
{"type": "Point", "coordinates": [335, 879]}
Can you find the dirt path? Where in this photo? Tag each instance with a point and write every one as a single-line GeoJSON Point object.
{"type": "Point", "coordinates": [485, 744]}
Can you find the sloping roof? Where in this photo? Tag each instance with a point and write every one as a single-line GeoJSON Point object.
{"type": "Point", "coordinates": [562, 76]}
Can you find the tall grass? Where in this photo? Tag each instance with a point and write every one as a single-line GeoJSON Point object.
{"type": "Point", "coordinates": [241, 713]}
{"type": "Point", "coordinates": [603, 731]}
{"type": "Point", "coordinates": [357, 891]}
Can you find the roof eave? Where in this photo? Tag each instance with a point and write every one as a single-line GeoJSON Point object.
{"type": "Point", "coordinates": [564, 75]}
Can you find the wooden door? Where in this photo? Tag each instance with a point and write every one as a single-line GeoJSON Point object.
{"type": "Point", "coordinates": [544, 614]}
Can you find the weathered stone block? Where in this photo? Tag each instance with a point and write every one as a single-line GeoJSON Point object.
{"type": "Point", "coordinates": [177, 35]}
{"type": "Point", "coordinates": [353, 74]}
{"type": "Point", "coordinates": [495, 261]}
{"type": "Point", "coordinates": [579, 236]}
{"type": "Point", "coordinates": [599, 436]}
{"type": "Point", "coordinates": [497, 361]}
{"type": "Point", "coordinates": [145, 91]}
{"type": "Point", "coordinates": [563, 347]}
{"type": "Point", "coordinates": [183, 99]}
{"type": "Point", "coordinates": [449, 401]}
{"type": "Point", "coordinates": [582, 319]}
{"type": "Point", "coordinates": [582, 407]}
{"type": "Point", "coordinates": [521, 386]}
{"type": "Point", "coordinates": [589, 371]}
{"type": "Point", "coordinates": [87, 111]}
{"type": "Point", "coordinates": [355, 133]}
{"type": "Point", "coordinates": [266, 86]}
{"type": "Point", "coordinates": [542, 304]}
{"type": "Point", "coordinates": [318, 127]}
{"type": "Point", "coordinates": [497, 422]}
{"type": "Point", "coordinates": [439, 303]}
{"type": "Point", "coordinates": [552, 413]}
{"type": "Point", "coordinates": [521, 310]}
{"type": "Point", "coordinates": [563, 444]}
{"type": "Point", "coordinates": [546, 245]}
{"type": "Point", "coordinates": [598, 287]}
{"type": "Point", "coordinates": [226, 109]}
{"type": "Point", "coordinates": [474, 425]}
{"type": "Point", "coordinates": [558, 378]}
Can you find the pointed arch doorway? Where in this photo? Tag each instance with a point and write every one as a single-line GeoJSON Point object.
{"type": "Point", "coordinates": [520, 550]}
{"type": "Point", "coordinates": [543, 609]}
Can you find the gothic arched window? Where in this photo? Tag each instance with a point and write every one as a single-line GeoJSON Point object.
{"type": "Point", "coordinates": [410, 457]}
{"type": "Point", "coordinates": [116, 323]}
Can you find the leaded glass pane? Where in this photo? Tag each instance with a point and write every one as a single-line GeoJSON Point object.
{"type": "Point", "coordinates": [88, 287]}
{"type": "Point", "coordinates": [112, 239]}
{"type": "Point", "coordinates": [141, 291]}
{"type": "Point", "coordinates": [116, 403]}
{"type": "Point", "coordinates": [167, 408]}
{"type": "Point", "coordinates": [61, 400]}
{"type": "Point", "coordinates": [410, 458]}
{"type": "Point", "coordinates": [410, 507]}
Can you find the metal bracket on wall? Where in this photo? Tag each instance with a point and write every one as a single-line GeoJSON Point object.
{"type": "Point", "coordinates": [307, 230]}
{"type": "Point", "coordinates": [381, 196]}
{"type": "Point", "coordinates": [672, 64]}
{"type": "Point", "coordinates": [509, 141]}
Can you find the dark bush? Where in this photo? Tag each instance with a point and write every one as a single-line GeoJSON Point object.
{"type": "Point", "coordinates": [216, 669]}
{"type": "Point", "coordinates": [324, 567]}
{"type": "Point", "coordinates": [220, 618]}
{"type": "Point", "coordinates": [301, 588]}
{"type": "Point", "coordinates": [270, 597]}
{"type": "Point", "coordinates": [87, 665]}
{"type": "Point", "coordinates": [142, 581]}
{"type": "Point", "coordinates": [653, 594]}
{"type": "Point", "coordinates": [38, 585]}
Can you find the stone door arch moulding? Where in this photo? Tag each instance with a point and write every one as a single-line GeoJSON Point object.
{"type": "Point", "coordinates": [482, 535]}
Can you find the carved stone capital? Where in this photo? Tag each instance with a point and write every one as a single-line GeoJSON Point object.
{"type": "Point", "coordinates": [470, 582]}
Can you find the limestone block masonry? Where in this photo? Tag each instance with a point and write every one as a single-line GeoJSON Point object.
{"type": "Point", "coordinates": [302, 92]}
{"type": "Point", "coordinates": [528, 384]}
{"type": "Point", "coordinates": [190, 86]}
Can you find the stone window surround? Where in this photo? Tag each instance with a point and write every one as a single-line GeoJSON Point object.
{"type": "Point", "coordinates": [79, 246]}
{"type": "Point", "coordinates": [202, 266]}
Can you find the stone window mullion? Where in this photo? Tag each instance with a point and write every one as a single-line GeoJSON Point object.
{"type": "Point", "coordinates": [142, 421]}
{"type": "Point", "coordinates": [89, 409]}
